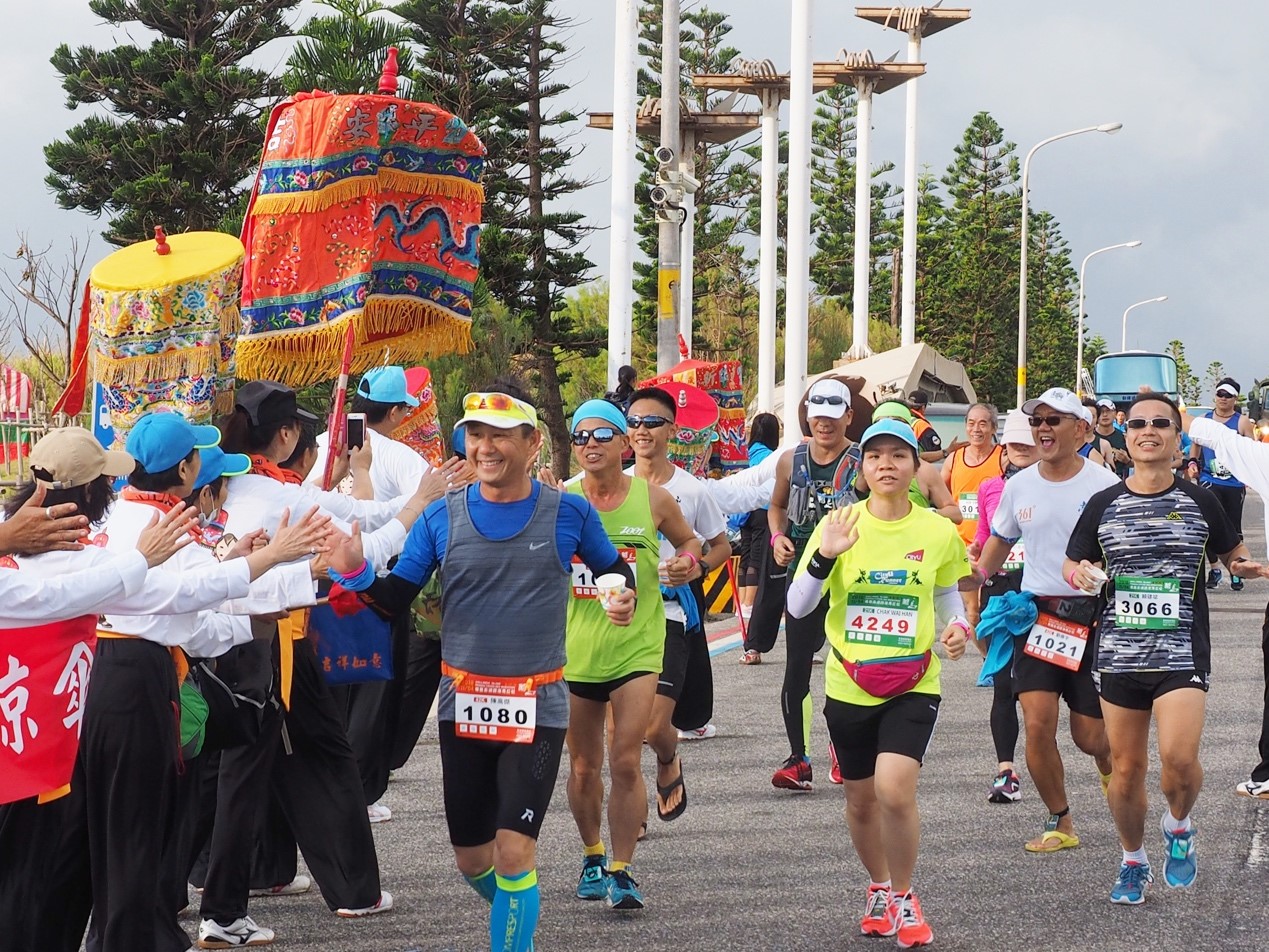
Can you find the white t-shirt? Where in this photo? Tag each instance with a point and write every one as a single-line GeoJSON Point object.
{"type": "Point", "coordinates": [395, 469]}
{"type": "Point", "coordinates": [1042, 513]}
{"type": "Point", "coordinates": [701, 513]}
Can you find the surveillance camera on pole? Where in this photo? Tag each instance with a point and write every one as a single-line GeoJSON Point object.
{"type": "Point", "coordinates": [664, 155]}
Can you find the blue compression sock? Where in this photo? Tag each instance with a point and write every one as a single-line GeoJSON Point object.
{"type": "Point", "coordinates": [514, 917]}
{"type": "Point", "coordinates": [485, 884]}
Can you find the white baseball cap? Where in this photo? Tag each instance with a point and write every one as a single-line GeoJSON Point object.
{"type": "Point", "coordinates": [828, 398]}
{"type": "Point", "coordinates": [1017, 429]}
{"type": "Point", "coordinates": [1059, 399]}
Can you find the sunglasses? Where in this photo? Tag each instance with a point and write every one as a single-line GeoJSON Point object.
{"type": "Point", "coordinates": [648, 422]}
{"type": "Point", "coordinates": [1159, 423]}
{"type": "Point", "coordinates": [1052, 420]}
{"type": "Point", "coordinates": [488, 401]}
{"type": "Point", "coordinates": [602, 434]}
{"type": "Point", "coordinates": [832, 401]}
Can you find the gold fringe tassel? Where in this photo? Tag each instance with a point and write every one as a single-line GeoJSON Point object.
{"type": "Point", "coordinates": [137, 371]}
{"type": "Point", "coordinates": [413, 330]}
{"type": "Point", "coordinates": [348, 189]}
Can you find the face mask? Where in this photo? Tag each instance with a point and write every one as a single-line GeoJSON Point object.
{"type": "Point", "coordinates": [207, 519]}
{"type": "Point", "coordinates": [1011, 469]}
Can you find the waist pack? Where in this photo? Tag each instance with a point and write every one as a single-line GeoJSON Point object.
{"type": "Point", "coordinates": [887, 677]}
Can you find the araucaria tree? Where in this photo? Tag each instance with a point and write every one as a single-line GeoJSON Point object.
{"type": "Point", "coordinates": [181, 134]}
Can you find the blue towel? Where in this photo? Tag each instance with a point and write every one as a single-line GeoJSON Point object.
{"type": "Point", "coordinates": [1006, 617]}
{"type": "Point", "coordinates": [684, 596]}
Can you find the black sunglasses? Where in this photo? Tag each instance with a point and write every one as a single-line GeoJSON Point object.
{"type": "Point", "coordinates": [1054, 420]}
{"type": "Point", "coordinates": [1159, 423]}
{"type": "Point", "coordinates": [649, 422]}
{"type": "Point", "coordinates": [602, 434]}
{"type": "Point", "coordinates": [832, 401]}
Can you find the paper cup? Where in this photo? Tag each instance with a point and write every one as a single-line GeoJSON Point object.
{"type": "Point", "coordinates": [1099, 575]}
{"type": "Point", "coordinates": [609, 586]}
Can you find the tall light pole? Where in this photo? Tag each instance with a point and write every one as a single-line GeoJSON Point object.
{"type": "Point", "coordinates": [1079, 345]}
{"type": "Point", "coordinates": [1109, 127]}
{"type": "Point", "coordinates": [1123, 343]}
{"type": "Point", "coordinates": [797, 294]}
{"type": "Point", "coordinates": [621, 228]}
{"type": "Point", "coordinates": [669, 235]}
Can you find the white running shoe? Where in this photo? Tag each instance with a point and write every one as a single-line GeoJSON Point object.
{"type": "Point", "coordinates": [701, 733]}
{"type": "Point", "coordinates": [383, 905]}
{"type": "Point", "coordinates": [238, 934]}
{"type": "Point", "coordinates": [300, 884]}
{"type": "Point", "coordinates": [1258, 789]}
{"type": "Point", "coordinates": [379, 812]}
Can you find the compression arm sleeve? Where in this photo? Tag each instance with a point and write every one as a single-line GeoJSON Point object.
{"type": "Point", "coordinates": [948, 604]}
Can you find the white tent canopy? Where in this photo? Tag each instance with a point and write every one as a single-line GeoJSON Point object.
{"type": "Point", "coordinates": [897, 372]}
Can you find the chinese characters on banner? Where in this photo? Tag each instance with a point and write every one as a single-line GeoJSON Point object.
{"type": "Point", "coordinates": [44, 673]}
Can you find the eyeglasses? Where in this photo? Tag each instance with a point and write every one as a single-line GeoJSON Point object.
{"type": "Point", "coordinates": [1159, 423]}
{"type": "Point", "coordinates": [833, 401]}
{"type": "Point", "coordinates": [648, 422]}
{"type": "Point", "coordinates": [488, 401]}
{"type": "Point", "coordinates": [602, 434]}
{"type": "Point", "coordinates": [1052, 420]}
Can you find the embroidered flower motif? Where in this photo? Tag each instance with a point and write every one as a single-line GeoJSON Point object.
{"type": "Point", "coordinates": [194, 300]}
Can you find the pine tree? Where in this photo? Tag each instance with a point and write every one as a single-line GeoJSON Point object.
{"type": "Point", "coordinates": [181, 134]}
{"type": "Point", "coordinates": [343, 52]}
{"type": "Point", "coordinates": [1187, 380]}
{"type": "Point", "coordinates": [1051, 307]}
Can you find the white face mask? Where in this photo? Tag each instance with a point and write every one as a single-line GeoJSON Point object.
{"type": "Point", "coordinates": [206, 519]}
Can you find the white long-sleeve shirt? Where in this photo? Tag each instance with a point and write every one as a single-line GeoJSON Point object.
{"type": "Point", "coordinates": [395, 469]}
{"type": "Point", "coordinates": [1247, 459]}
{"type": "Point", "coordinates": [78, 587]}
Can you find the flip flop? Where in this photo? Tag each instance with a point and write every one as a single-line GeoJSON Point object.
{"type": "Point", "coordinates": [1051, 841]}
{"type": "Point", "coordinates": [664, 794]}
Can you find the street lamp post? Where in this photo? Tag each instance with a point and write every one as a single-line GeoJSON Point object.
{"type": "Point", "coordinates": [1109, 127]}
{"type": "Point", "coordinates": [1079, 346]}
{"type": "Point", "coordinates": [1123, 343]}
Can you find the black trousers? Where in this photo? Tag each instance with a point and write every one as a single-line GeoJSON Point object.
{"type": "Point", "coordinates": [121, 813]}
{"type": "Point", "coordinates": [768, 605]}
{"type": "Point", "coordinates": [1231, 499]}
{"type": "Point", "coordinates": [418, 692]}
{"type": "Point", "coordinates": [1261, 773]}
{"type": "Point", "coordinates": [318, 788]}
{"type": "Point", "coordinates": [30, 834]}
{"type": "Point", "coordinates": [695, 704]}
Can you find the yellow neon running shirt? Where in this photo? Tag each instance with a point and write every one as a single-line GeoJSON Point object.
{"type": "Point", "coordinates": [887, 580]}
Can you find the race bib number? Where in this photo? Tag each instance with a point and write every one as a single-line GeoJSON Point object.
{"type": "Point", "coordinates": [888, 621]}
{"type": "Point", "coordinates": [583, 583]}
{"type": "Point", "coordinates": [1057, 642]}
{"type": "Point", "coordinates": [1147, 604]}
{"type": "Point", "coordinates": [969, 506]}
{"type": "Point", "coordinates": [497, 709]}
{"type": "Point", "coordinates": [1016, 558]}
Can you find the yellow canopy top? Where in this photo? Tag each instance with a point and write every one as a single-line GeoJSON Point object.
{"type": "Point", "coordinates": [193, 254]}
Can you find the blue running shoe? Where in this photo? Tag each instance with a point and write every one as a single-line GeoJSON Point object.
{"type": "Point", "coordinates": [593, 882]}
{"type": "Point", "coordinates": [1130, 887]}
{"type": "Point", "coordinates": [623, 891]}
{"type": "Point", "coordinates": [1181, 866]}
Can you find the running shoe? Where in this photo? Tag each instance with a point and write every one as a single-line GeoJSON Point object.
{"type": "Point", "coordinates": [383, 905]}
{"type": "Point", "coordinates": [623, 891]}
{"type": "Point", "coordinates": [1130, 887]}
{"type": "Point", "coordinates": [1257, 789]}
{"type": "Point", "coordinates": [237, 935]}
{"type": "Point", "coordinates": [1181, 865]}
{"type": "Point", "coordinates": [1235, 583]}
{"type": "Point", "coordinates": [835, 769]}
{"type": "Point", "coordinates": [794, 774]}
{"type": "Point", "coordinates": [379, 812]}
{"type": "Point", "coordinates": [708, 732]}
{"type": "Point", "coordinates": [1006, 788]}
{"type": "Point", "coordinates": [909, 923]}
{"type": "Point", "coordinates": [1213, 579]}
{"type": "Point", "coordinates": [297, 886]}
{"type": "Point", "coordinates": [751, 656]}
{"type": "Point", "coordinates": [876, 920]}
{"type": "Point", "coordinates": [593, 882]}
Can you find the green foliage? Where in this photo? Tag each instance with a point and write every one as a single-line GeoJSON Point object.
{"type": "Point", "coordinates": [1215, 371]}
{"type": "Point", "coordinates": [177, 132]}
{"type": "Point", "coordinates": [344, 51]}
{"type": "Point", "coordinates": [1187, 380]}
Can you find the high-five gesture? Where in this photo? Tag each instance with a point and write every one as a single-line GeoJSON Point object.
{"type": "Point", "coordinates": [839, 532]}
{"type": "Point", "coordinates": [166, 536]}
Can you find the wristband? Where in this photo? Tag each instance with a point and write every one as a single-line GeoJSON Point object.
{"type": "Point", "coordinates": [689, 555]}
{"type": "Point", "coordinates": [1070, 580]}
{"type": "Point", "coordinates": [355, 581]}
{"type": "Point", "coordinates": [820, 565]}
{"type": "Point", "coordinates": [960, 623]}
{"type": "Point", "coordinates": [777, 535]}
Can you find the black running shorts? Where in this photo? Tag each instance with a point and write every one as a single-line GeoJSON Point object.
{"type": "Point", "coordinates": [1077, 688]}
{"type": "Point", "coordinates": [859, 732]}
{"type": "Point", "coordinates": [1139, 689]}
{"type": "Point", "coordinates": [674, 662]}
{"type": "Point", "coordinates": [601, 691]}
{"type": "Point", "coordinates": [492, 786]}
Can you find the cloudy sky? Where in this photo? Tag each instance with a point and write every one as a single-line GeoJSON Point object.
{"type": "Point", "coordinates": [1178, 176]}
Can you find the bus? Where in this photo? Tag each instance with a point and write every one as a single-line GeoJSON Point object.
{"type": "Point", "coordinates": [1122, 376]}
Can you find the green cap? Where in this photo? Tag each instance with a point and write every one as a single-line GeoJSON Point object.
{"type": "Point", "coordinates": [893, 410]}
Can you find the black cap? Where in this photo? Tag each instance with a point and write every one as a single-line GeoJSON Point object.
{"type": "Point", "coordinates": [918, 398]}
{"type": "Point", "coordinates": [270, 404]}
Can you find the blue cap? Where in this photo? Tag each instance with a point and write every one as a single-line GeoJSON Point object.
{"type": "Point", "coordinates": [386, 385]}
{"type": "Point", "coordinates": [458, 441]}
{"type": "Point", "coordinates": [601, 410]}
{"type": "Point", "coordinates": [890, 427]}
{"type": "Point", "coordinates": [159, 441]}
{"type": "Point", "coordinates": [216, 463]}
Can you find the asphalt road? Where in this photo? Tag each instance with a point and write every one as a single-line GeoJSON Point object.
{"type": "Point", "coordinates": [750, 867]}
